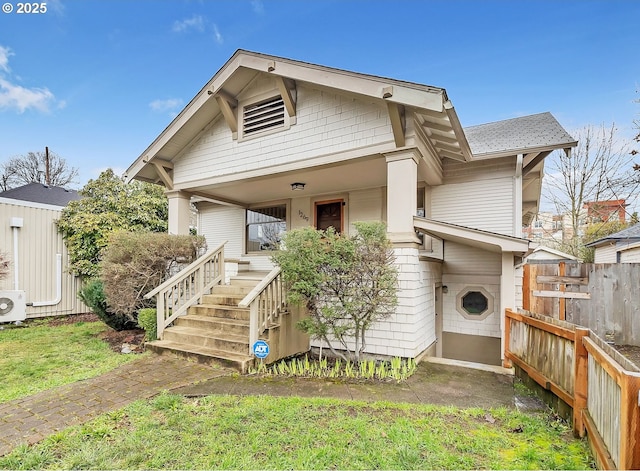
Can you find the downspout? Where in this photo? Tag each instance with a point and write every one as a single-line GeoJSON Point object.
{"type": "Point", "coordinates": [16, 223]}
{"type": "Point", "coordinates": [58, 286]}
{"type": "Point", "coordinates": [517, 200]}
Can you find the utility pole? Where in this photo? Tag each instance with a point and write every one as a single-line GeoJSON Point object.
{"type": "Point", "coordinates": [47, 175]}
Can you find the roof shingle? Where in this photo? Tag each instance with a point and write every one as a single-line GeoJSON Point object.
{"type": "Point", "coordinates": [39, 193]}
{"type": "Point", "coordinates": [517, 134]}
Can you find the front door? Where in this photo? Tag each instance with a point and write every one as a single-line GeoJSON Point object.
{"type": "Point", "coordinates": [329, 214]}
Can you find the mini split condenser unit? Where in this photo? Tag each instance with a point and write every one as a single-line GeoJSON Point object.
{"type": "Point", "coordinates": [13, 306]}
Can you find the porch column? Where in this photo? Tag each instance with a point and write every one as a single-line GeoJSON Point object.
{"type": "Point", "coordinates": [402, 188]}
{"type": "Point", "coordinates": [179, 211]}
{"type": "Point", "coordinates": [507, 293]}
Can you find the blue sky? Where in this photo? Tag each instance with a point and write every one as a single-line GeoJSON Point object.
{"type": "Point", "coordinates": [98, 80]}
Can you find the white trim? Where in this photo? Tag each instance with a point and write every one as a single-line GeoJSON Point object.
{"type": "Point", "coordinates": [31, 204]}
{"type": "Point", "coordinates": [481, 315]}
{"type": "Point", "coordinates": [473, 237]}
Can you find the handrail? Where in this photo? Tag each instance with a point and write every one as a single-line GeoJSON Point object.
{"type": "Point", "coordinates": [266, 302]}
{"type": "Point", "coordinates": [255, 292]}
{"type": "Point", "coordinates": [182, 273]}
{"type": "Point", "coordinates": [186, 288]}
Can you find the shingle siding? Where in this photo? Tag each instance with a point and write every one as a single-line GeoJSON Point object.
{"type": "Point", "coordinates": [326, 123]}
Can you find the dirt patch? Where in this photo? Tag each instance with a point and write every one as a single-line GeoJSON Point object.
{"type": "Point", "coordinates": [631, 352]}
{"type": "Point", "coordinates": [72, 319]}
{"type": "Point", "coordinates": [124, 341]}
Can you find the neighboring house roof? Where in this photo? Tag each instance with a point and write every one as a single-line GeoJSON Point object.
{"type": "Point", "coordinates": [39, 193]}
{"type": "Point", "coordinates": [630, 234]}
{"type": "Point", "coordinates": [541, 251]}
{"type": "Point", "coordinates": [538, 132]}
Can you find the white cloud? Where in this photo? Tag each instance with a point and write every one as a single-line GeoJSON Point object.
{"type": "Point", "coordinates": [217, 35]}
{"type": "Point", "coordinates": [22, 99]}
{"type": "Point", "coordinates": [160, 106]}
{"type": "Point", "coordinates": [56, 6]}
{"type": "Point", "coordinates": [5, 52]}
{"type": "Point", "coordinates": [257, 6]}
{"type": "Point", "coordinates": [195, 23]}
{"type": "Point", "coordinates": [14, 96]}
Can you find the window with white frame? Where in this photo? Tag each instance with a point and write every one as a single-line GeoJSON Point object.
{"type": "Point", "coordinates": [265, 227]}
{"type": "Point", "coordinates": [474, 303]}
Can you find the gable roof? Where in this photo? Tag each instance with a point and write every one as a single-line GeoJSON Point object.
{"type": "Point", "coordinates": [542, 249]}
{"type": "Point", "coordinates": [534, 133]}
{"type": "Point", "coordinates": [630, 234]}
{"type": "Point", "coordinates": [43, 194]}
{"type": "Point", "coordinates": [431, 105]}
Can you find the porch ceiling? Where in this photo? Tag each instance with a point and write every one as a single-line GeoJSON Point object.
{"type": "Point", "coordinates": [321, 180]}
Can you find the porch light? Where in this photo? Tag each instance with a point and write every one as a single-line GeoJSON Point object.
{"type": "Point", "coordinates": [297, 186]}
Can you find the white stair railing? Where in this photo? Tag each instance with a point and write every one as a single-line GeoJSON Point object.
{"type": "Point", "coordinates": [186, 288]}
{"type": "Point", "coordinates": [266, 302]}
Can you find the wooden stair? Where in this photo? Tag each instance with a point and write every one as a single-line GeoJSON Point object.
{"type": "Point", "coordinates": [217, 330]}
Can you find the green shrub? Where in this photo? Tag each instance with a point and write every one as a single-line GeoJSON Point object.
{"type": "Point", "coordinates": [148, 320]}
{"type": "Point", "coordinates": [347, 284]}
{"type": "Point", "coordinates": [92, 294]}
{"type": "Point", "coordinates": [134, 263]}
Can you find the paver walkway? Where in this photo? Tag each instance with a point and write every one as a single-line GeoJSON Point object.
{"type": "Point", "coordinates": [32, 418]}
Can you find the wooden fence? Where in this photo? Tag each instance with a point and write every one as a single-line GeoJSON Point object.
{"type": "Point", "coordinates": [603, 297]}
{"type": "Point", "coordinates": [601, 386]}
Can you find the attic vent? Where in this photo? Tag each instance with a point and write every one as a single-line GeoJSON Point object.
{"type": "Point", "coordinates": [263, 116]}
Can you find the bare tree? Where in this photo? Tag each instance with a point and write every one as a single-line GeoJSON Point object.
{"type": "Point", "coordinates": [39, 167]}
{"type": "Point", "coordinates": [596, 170]}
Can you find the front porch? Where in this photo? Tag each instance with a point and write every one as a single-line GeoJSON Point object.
{"type": "Point", "coordinates": [206, 313]}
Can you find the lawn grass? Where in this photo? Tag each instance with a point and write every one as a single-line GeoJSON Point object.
{"type": "Point", "coordinates": [232, 432]}
{"type": "Point", "coordinates": [40, 357]}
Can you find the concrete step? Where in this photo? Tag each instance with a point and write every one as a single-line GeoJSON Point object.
{"type": "Point", "coordinates": [224, 299]}
{"type": "Point", "coordinates": [209, 356]}
{"type": "Point", "coordinates": [249, 278]}
{"type": "Point", "coordinates": [231, 290]}
{"type": "Point", "coordinates": [217, 340]}
{"type": "Point", "coordinates": [220, 310]}
{"type": "Point", "coordinates": [214, 324]}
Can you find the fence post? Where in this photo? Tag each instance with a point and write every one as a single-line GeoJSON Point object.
{"type": "Point", "coordinates": [629, 421]}
{"type": "Point", "coordinates": [562, 302]}
{"type": "Point", "coordinates": [506, 363]}
{"type": "Point", "coordinates": [581, 381]}
{"type": "Point", "coordinates": [526, 288]}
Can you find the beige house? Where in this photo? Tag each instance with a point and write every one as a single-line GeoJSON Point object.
{"type": "Point", "coordinates": [271, 144]}
{"type": "Point", "coordinates": [39, 284]}
{"type": "Point", "coordinates": [621, 247]}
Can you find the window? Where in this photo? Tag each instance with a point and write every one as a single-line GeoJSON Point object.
{"type": "Point", "coordinates": [474, 303]}
{"type": "Point", "coordinates": [263, 116]}
{"type": "Point", "coordinates": [265, 227]}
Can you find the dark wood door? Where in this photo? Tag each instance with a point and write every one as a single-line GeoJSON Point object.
{"type": "Point", "coordinates": [329, 214]}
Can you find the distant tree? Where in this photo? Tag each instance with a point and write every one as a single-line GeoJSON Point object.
{"type": "Point", "coordinates": [596, 170]}
{"type": "Point", "coordinates": [598, 230]}
{"type": "Point", "coordinates": [346, 283]}
{"type": "Point", "coordinates": [108, 205]}
{"type": "Point", "coordinates": [33, 168]}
